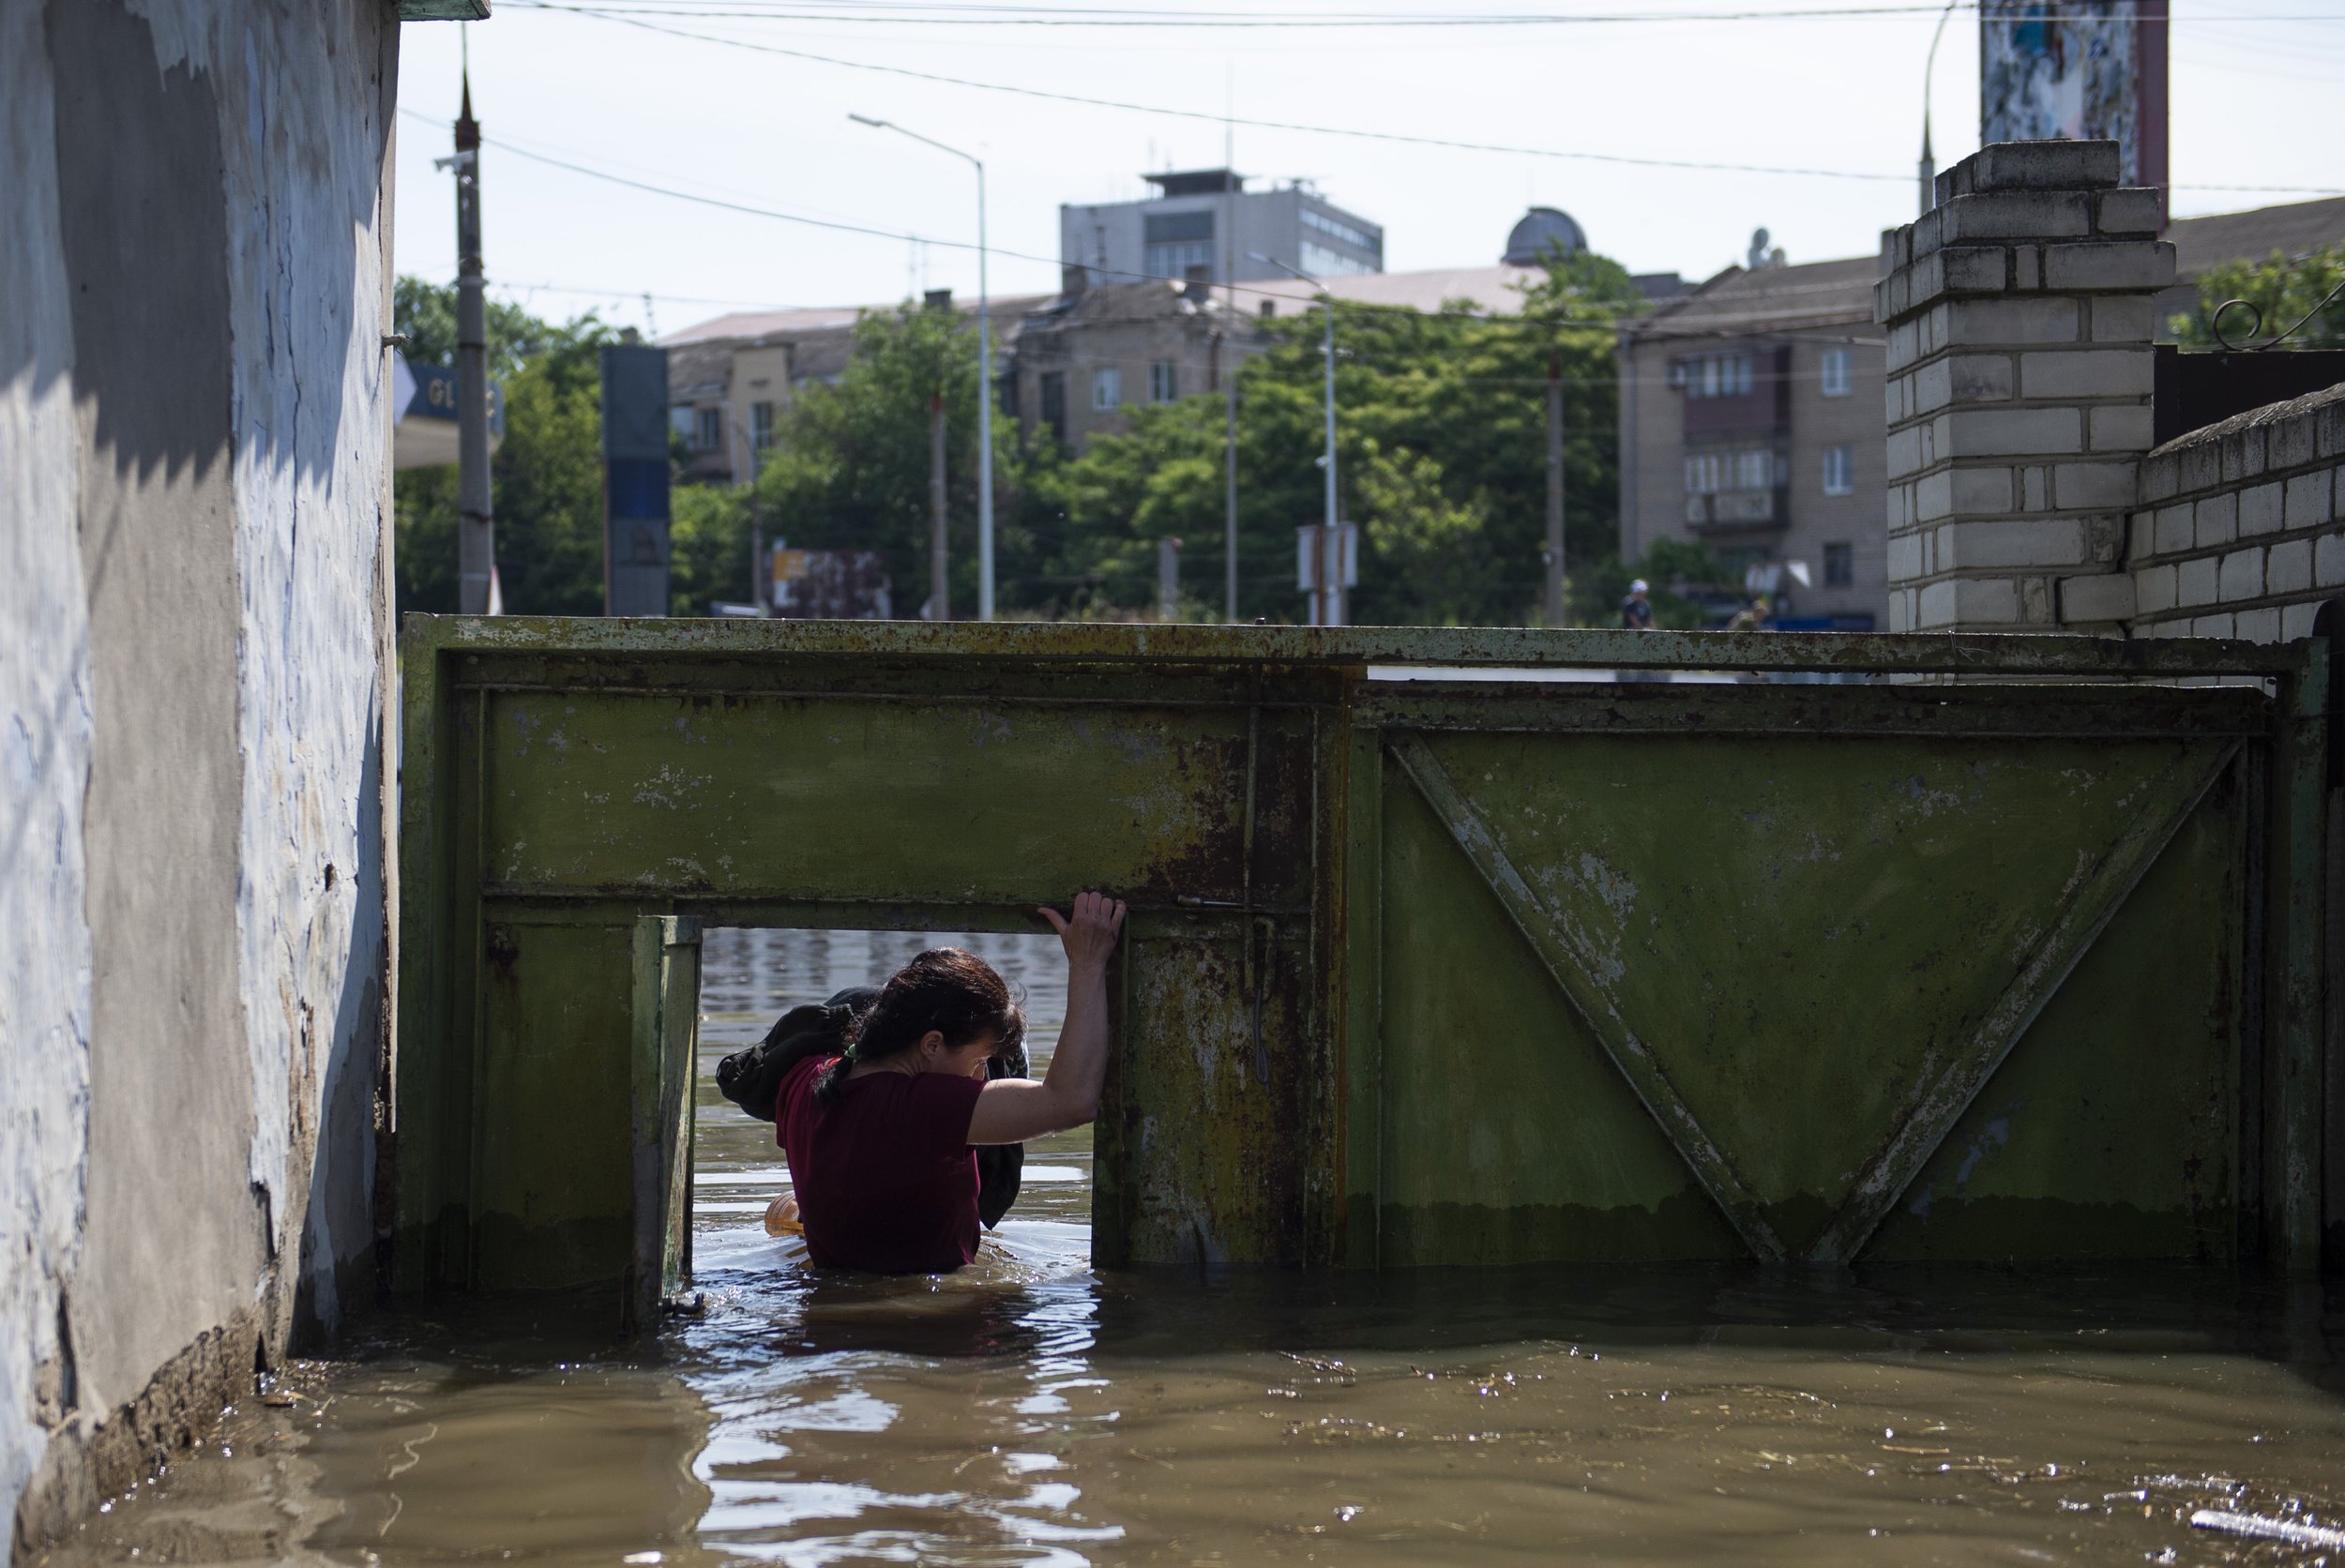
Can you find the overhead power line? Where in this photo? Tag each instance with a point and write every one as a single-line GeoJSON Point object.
{"type": "Point", "coordinates": [952, 14]}
{"type": "Point", "coordinates": [1400, 138]}
{"type": "Point", "coordinates": [753, 211]}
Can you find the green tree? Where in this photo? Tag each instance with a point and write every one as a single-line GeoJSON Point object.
{"type": "Point", "coordinates": [850, 466]}
{"type": "Point", "coordinates": [1599, 587]}
{"type": "Point", "coordinates": [1441, 457]}
{"type": "Point", "coordinates": [546, 478]}
{"type": "Point", "coordinates": [426, 314]}
{"type": "Point", "coordinates": [708, 547]}
{"type": "Point", "coordinates": [2286, 290]}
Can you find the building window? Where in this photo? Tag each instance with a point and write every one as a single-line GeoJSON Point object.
{"type": "Point", "coordinates": [1166, 228]}
{"type": "Point", "coordinates": [761, 426]}
{"type": "Point", "coordinates": [1838, 476]}
{"type": "Point", "coordinates": [1840, 565]}
{"type": "Point", "coordinates": [1320, 262]}
{"type": "Point", "coordinates": [1335, 228]}
{"type": "Point", "coordinates": [1836, 378]}
{"type": "Point", "coordinates": [1720, 375]}
{"type": "Point", "coordinates": [1714, 471]}
{"type": "Point", "coordinates": [1164, 380]}
{"type": "Point", "coordinates": [1178, 241]}
{"type": "Point", "coordinates": [1054, 400]}
{"type": "Point", "coordinates": [1173, 261]}
{"type": "Point", "coordinates": [709, 429]}
{"type": "Point", "coordinates": [1107, 387]}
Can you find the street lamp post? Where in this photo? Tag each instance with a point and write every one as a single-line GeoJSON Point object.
{"type": "Point", "coordinates": [1929, 171]}
{"type": "Point", "coordinates": [985, 373]}
{"type": "Point", "coordinates": [1331, 543]}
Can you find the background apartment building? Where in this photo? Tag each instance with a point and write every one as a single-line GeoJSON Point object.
{"type": "Point", "coordinates": [1751, 423]}
{"type": "Point", "coordinates": [730, 379]}
{"type": "Point", "coordinates": [1753, 416]}
{"type": "Point", "coordinates": [1083, 361]}
{"type": "Point", "coordinates": [1207, 219]}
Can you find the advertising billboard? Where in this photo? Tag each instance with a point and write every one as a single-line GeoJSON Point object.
{"type": "Point", "coordinates": [2074, 70]}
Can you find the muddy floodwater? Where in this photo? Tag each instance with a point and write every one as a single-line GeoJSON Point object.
{"type": "Point", "coordinates": [1031, 1411]}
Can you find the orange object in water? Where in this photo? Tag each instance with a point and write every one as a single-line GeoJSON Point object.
{"type": "Point", "coordinates": [781, 1217]}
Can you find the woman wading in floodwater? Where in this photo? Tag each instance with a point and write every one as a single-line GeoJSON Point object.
{"type": "Point", "coordinates": [881, 1141]}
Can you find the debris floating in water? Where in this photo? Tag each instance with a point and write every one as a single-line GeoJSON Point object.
{"type": "Point", "coordinates": [2268, 1529]}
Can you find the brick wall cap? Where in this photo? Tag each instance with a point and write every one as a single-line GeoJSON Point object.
{"type": "Point", "coordinates": [2309, 406]}
{"type": "Point", "coordinates": [2080, 165]}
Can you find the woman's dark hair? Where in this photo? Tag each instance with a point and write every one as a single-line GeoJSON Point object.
{"type": "Point", "coordinates": [954, 992]}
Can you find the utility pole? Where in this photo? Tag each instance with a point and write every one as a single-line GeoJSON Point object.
{"type": "Point", "coordinates": [761, 571]}
{"type": "Point", "coordinates": [1229, 372]}
{"type": "Point", "coordinates": [1168, 579]}
{"type": "Point", "coordinates": [1332, 554]}
{"type": "Point", "coordinates": [985, 421]}
{"type": "Point", "coordinates": [1554, 487]}
{"type": "Point", "coordinates": [940, 599]}
{"type": "Point", "coordinates": [475, 532]}
{"type": "Point", "coordinates": [1228, 480]}
{"type": "Point", "coordinates": [985, 377]}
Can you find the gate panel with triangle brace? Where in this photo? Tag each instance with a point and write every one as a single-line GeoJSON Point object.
{"type": "Point", "coordinates": [1420, 970]}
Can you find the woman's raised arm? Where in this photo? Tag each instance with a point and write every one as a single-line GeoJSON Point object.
{"type": "Point", "coordinates": [1011, 1110]}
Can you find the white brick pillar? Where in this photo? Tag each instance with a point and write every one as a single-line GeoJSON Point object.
{"type": "Point", "coordinates": [2020, 322]}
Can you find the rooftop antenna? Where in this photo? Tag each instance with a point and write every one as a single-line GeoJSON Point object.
{"type": "Point", "coordinates": [651, 321]}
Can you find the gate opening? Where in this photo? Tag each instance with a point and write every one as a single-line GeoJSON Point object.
{"type": "Point", "coordinates": [751, 976]}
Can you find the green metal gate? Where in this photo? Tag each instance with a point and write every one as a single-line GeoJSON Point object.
{"type": "Point", "coordinates": [2024, 965]}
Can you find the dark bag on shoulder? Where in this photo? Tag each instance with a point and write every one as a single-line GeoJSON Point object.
{"type": "Point", "coordinates": [752, 1080]}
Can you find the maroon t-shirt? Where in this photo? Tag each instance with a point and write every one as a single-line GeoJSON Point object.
{"type": "Point", "coordinates": [886, 1181]}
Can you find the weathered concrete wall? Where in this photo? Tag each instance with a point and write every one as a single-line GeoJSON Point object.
{"type": "Point", "coordinates": [193, 666]}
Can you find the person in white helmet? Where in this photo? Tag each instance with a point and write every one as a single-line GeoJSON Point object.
{"type": "Point", "coordinates": [1636, 610]}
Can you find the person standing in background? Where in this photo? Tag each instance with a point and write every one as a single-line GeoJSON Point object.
{"type": "Point", "coordinates": [1636, 610]}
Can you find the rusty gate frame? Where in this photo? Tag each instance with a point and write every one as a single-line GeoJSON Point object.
{"type": "Point", "coordinates": [452, 659]}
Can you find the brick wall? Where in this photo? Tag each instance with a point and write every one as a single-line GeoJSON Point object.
{"type": "Point", "coordinates": [2019, 316]}
{"type": "Point", "coordinates": [2240, 531]}
{"type": "Point", "coordinates": [2022, 495]}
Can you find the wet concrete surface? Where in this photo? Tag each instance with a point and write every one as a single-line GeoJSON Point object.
{"type": "Point", "coordinates": [1033, 1410]}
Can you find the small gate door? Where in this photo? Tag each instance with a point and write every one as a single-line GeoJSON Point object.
{"type": "Point", "coordinates": [666, 1043]}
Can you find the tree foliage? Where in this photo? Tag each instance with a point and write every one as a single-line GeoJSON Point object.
{"type": "Point", "coordinates": [546, 478]}
{"type": "Point", "coordinates": [2286, 292]}
{"type": "Point", "coordinates": [850, 466]}
{"type": "Point", "coordinates": [1441, 459]}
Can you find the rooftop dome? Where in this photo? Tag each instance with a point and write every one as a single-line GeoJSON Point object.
{"type": "Point", "coordinates": [1540, 228]}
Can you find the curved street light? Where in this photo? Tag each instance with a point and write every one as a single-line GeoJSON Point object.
{"type": "Point", "coordinates": [985, 372]}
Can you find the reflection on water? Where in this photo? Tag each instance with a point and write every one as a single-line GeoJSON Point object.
{"type": "Point", "coordinates": [1028, 1411]}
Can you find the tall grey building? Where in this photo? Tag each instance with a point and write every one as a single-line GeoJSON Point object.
{"type": "Point", "coordinates": [1206, 218]}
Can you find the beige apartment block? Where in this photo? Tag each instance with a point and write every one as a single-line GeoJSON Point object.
{"type": "Point", "coordinates": [1751, 423]}
{"type": "Point", "coordinates": [1087, 360]}
{"type": "Point", "coordinates": [1787, 320]}
{"type": "Point", "coordinates": [730, 379]}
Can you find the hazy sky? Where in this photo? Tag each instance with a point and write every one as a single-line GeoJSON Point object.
{"type": "Point", "coordinates": [2255, 92]}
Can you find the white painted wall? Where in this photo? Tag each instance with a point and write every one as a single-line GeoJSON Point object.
{"type": "Point", "coordinates": [301, 91]}
{"type": "Point", "coordinates": [45, 762]}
